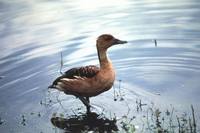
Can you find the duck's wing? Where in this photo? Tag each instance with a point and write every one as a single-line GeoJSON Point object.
{"type": "Point", "coordinates": [75, 73]}
{"type": "Point", "coordinates": [87, 71]}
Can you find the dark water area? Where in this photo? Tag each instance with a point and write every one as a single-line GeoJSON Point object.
{"type": "Point", "coordinates": [33, 34]}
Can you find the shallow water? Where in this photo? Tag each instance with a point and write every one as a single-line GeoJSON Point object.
{"type": "Point", "coordinates": [32, 35]}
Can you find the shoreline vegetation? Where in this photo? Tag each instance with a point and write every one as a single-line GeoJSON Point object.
{"type": "Point", "coordinates": [153, 120]}
{"type": "Point", "coordinates": [147, 118]}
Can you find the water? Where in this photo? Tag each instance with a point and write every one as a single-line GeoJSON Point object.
{"type": "Point", "coordinates": [33, 33]}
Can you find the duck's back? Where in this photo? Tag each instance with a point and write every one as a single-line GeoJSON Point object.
{"type": "Point", "coordinates": [84, 72]}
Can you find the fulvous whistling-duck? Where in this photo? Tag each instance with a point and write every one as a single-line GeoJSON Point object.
{"type": "Point", "coordinates": [89, 81]}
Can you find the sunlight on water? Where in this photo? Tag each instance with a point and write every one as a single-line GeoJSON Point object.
{"type": "Point", "coordinates": [90, 5]}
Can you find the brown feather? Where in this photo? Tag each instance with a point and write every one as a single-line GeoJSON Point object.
{"type": "Point", "coordinates": [87, 71]}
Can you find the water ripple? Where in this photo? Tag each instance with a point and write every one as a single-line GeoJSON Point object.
{"type": "Point", "coordinates": [34, 33]}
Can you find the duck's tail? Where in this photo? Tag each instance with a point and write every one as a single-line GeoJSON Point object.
{"type": "Point", "coordinates": [55, 82]}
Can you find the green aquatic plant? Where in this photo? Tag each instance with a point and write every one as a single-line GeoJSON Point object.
{"type": "Point", "coordinates": [158, 121]}
{"type": "Point", "coordinates": [126, 125]}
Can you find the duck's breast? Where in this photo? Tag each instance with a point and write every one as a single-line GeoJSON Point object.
{"type": "Point", "coordinates": [104, 80]}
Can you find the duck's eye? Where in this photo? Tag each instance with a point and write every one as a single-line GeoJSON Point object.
{"type": "Point", "coordinates": [108, 38]}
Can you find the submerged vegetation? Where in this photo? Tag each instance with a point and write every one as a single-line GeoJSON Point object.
{"type": "Point", "coordinates": [169, 121]}
{"type": "Point", "coordinates": [147, 118]}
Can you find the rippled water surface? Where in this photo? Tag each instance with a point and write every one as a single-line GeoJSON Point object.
{"type": "Point", "coordinates": [33, 34]}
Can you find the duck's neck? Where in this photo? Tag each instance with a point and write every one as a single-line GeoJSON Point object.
{"type": "Point", "coordinates": [103, 59]}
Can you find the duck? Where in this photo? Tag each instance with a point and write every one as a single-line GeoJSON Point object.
{"type": "Point", "coordinates": [89, 81]}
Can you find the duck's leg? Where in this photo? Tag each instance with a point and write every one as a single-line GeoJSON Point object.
{"type": "Point", "coordinates": [88, 107]}
{"type": "Point", "coordinates": [85, 101]}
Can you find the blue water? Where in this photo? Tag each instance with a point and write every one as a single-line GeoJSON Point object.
{"type": "Point", "coordinates": [33, 34]}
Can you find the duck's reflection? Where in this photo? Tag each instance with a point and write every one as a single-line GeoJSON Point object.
{"type": "Point", "coordinates": [85, 122]}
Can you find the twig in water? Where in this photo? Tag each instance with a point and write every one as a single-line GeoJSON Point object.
{"type": "Point", "coordinates": [155, 42]}
{"type": "Point", "coordinates": [115, 99]}
{"type": "Point", "coordinates": [61, 63]}
{"type": "Point", "coordinates": [193, 118]}
{"type": "Point", "coordinates": [190, 124]}
{"type": "Point", "coordinates": [23, 122]}
{"type": "Point", "coordinates": [157, 115]}
{"type": "Point", "coordinates": [140, 105]}
{"type": "Point", "coordinates": [128, 108]}
{"type": "Point", "coordinates": [170, 120]}
{"type": "Point", "coordinates": [179, 125]}
{"type": "Point", "coordinates": [120, 94]}
{"type": "Point", "coordinates": [148, 126]}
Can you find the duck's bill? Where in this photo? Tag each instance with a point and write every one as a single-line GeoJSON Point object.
{"type": "Point", "coordinates": [117, 41]}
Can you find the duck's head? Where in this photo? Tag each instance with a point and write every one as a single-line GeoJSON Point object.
{"type": "Point", "coordinates": [106, 40]}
